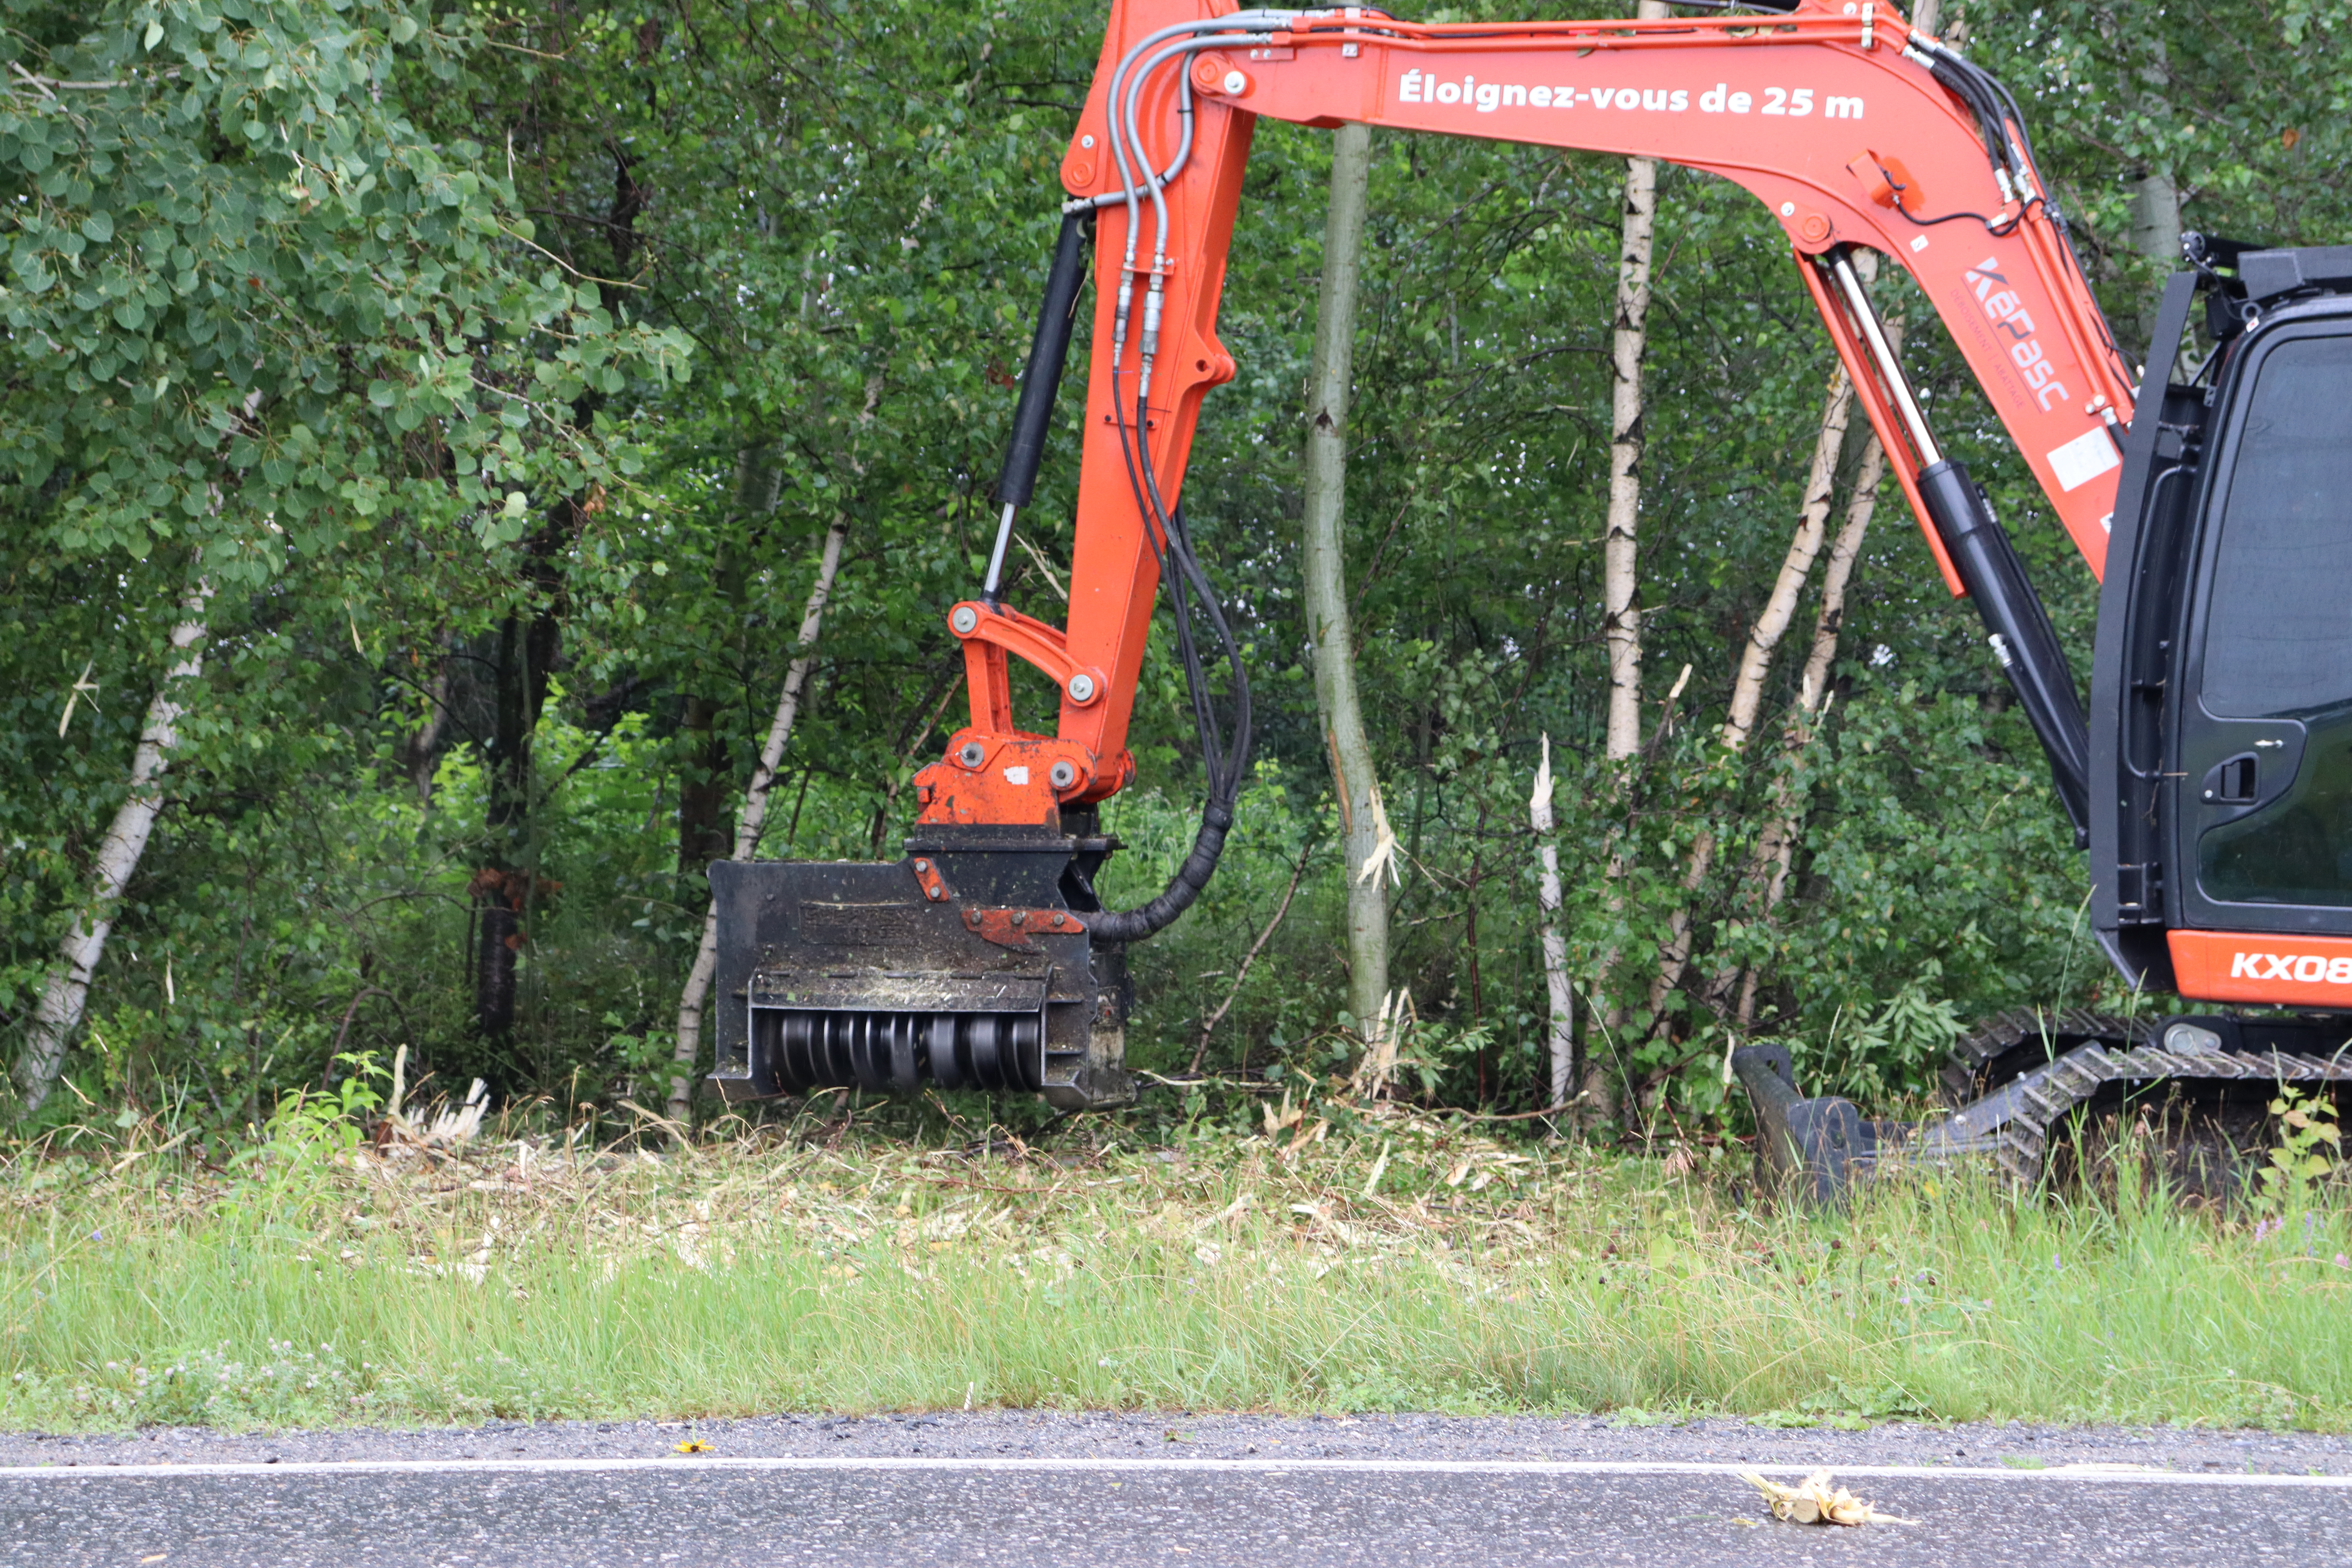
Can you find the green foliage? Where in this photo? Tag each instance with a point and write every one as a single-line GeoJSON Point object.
{"type": "Point", "coordinates": [2308, 1142]}
{"type": "Point", "coordinates": [374, 318]}
{"type": "Point", "coordinates": [231, 260]}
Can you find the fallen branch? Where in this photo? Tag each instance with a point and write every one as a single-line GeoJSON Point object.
{"type": "Point", "coordinates": [1209, 1025]}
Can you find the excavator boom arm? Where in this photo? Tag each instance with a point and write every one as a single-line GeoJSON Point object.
{"type": "Point", "coordinates": [1853, 130]}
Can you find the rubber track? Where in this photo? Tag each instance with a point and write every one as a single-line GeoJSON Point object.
{"type": "Point", "coordinates": [2063, 1027]}
{"type": "Point", "coordinates": [2043, 1096]}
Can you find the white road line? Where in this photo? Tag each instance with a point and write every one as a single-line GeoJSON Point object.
{"type": "Point", "coordinates": [2107, 1474]}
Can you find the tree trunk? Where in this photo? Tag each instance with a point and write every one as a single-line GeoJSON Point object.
{"type": "Point", "coordinates": [1756, 663]}
{"type": "Point", "coordinates": [422, 749]}
{"type": "Point", "coordinates": [1619, 554]}
{"type": "Point", "coordinates": [1619, 580]}
{"type": "Point", "coordinates": [1775, 852]}
{"type": "Point", "coordinates": [2155, 219]}
{"type": "Point", "coordinates": [2155, 234]}
{"type": "Point", "coordinates": [502, 887]}
{"type": "Point", "coordinates": [1769, 862]}
{"type": "Point", "coordinates": [1369, 848]}
{"type": "Point", "coordinates": [1563, 1035]}
{"type": "Point", "coordinates": [752, 821]}
{"type": "Point", "coordinates": [701, 788]}
{"type": "Point", "coordinates": [2155, 212]}
{"type": "Point", "coordinates": [66, 993]}
{"type": "Point", "coordinates": [704, 780]}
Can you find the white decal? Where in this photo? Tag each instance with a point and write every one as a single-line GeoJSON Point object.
{"type": "Point", "coordinates": [2082, 459]}
{"type": "Point", "coordinates": [1017, 776]}
{"type": "Point", "coordinates": [2308, 969]}
{"type": "Point", "coordinates": [1417, 86]}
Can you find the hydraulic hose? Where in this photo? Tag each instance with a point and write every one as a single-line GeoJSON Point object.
{"type": "Point", "coordinates": [1191, 877]}
{"type": "Point", "coordinates": [1224, 762]}
{"type": "Point", "coordinates": [1227, 766]}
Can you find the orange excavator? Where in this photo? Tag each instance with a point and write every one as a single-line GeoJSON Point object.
{"type": "Point", "coordinates": [2210, 781]}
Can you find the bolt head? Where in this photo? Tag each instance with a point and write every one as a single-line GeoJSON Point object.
{"type": "Point", "coordinates": [922, 865]}
{"type": "Point", "coordinates": [1082, 687]}
{"type": "Point", "coordinates": [972, 755]}
{"type": "Point", "coordinates": [965, 619]}
{"type": "Point", "coordinates": [932, 891]}
{"type": "Point", "coordinates": [1087, 140]}
{"type": "Point", "coordinates": [1236, 83]}
{"type": "Point", "coordinates": [1021, 916]}
{"type": "Point", "coordinates": [1063, 775]}
{"type": "Point", "coordinates": [1787, 209]}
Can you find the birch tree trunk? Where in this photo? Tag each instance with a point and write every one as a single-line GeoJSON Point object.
{"type": "Point", "coordinates": [2155, 212]}
{"type": "Point", "coordinates": [1369, 848]}
{"type": "Point", "coordinates": [1555, 945]}
{"type": "Point", "coordinates": [1620, 577]}
{"type": "Point", "coordinates": [2155, 234]}
{"type": "Point", "coordinates": [703, 780]}
{"type": "Point", "coordinates": [1769, 862]}
{"type": "Point", "coordinates": [66, 993]}
{"type": "Point", "coordinates": [1621, 614]}
{"type": "Point", "coordinates": [752, 821]}
{"type": "Point", "coordinates": [1756, 662]}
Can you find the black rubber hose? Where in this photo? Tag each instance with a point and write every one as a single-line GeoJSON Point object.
{"type": "Point", "coordinates": [1134, 925]}
{"type": "Point", "coordinates": [1227, 773]}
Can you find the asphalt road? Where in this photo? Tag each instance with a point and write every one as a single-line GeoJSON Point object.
{"type": "Point", "coordinates": [1109, 1512]}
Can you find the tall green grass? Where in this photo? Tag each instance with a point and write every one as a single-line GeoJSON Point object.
{"type": "Point", "coordinates": [1218, 1274]}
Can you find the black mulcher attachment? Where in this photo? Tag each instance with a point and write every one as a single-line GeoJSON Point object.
{"type": "Point", "coordinates": [968, 964]}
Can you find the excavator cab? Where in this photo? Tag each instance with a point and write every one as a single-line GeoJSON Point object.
{"type": "Point", "coordinates": [2219, 806]}
{"type": "Point", "coordinates": [2221, 681]}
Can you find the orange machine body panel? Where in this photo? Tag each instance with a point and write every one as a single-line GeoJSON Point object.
{"type": "Point", "coordinates": [2265, 969]}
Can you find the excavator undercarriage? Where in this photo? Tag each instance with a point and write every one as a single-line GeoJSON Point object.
{"type": "Point", "coordinates": [2036, 1096]}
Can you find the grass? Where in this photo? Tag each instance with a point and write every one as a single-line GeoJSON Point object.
{"type": "Point", "coordinates": [1391, 1262]}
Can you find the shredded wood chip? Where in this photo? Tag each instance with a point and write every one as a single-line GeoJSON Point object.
{"type": "Point", "coordinates": [1815, 1500]}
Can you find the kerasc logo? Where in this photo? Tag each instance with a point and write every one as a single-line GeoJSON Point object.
{"type": "Point", "coordinates": [2002, 306]}
{"type": "Point", "coordinates": [2309, 968]}
{"type": "Point", "coordinates": [1486, 97]}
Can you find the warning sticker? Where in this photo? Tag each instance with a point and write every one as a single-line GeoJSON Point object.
{"type": "Point", "coordinates": [2082, 459]}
